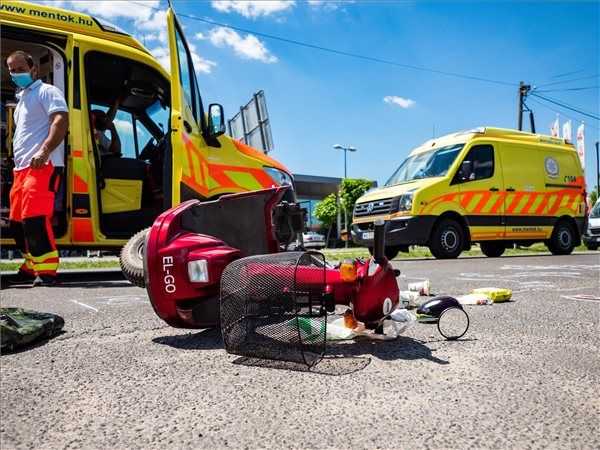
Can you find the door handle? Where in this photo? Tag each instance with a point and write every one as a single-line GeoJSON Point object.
{"type": "Point", "coordinates": [510, 189]}
{"type": "Point", "coordinates": [494, 189]}
{"type": "Point", "coordinates": [187, 126]}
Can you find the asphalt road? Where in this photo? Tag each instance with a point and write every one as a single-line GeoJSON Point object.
{"type": "Point", "coordinates": [526, 375]}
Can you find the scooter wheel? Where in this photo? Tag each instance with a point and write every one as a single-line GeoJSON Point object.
{"type": "Point", "coordinates": [132, 259]}
{"type": "Point", "coordinates": [453, 323]}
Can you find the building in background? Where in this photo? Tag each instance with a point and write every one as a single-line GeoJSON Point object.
{"type": "Point", "coordinates": [310, 190]}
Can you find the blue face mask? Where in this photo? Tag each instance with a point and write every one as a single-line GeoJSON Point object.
{"type": "Point", "coordinates": [22, 79]}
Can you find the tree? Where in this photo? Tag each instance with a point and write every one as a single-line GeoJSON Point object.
{"type": "Point", "coordinates": [351, 190]}
{"type": "Point", "coordinates": [594, 196]}
{"type": "Point", "coordinates": [326, 211]}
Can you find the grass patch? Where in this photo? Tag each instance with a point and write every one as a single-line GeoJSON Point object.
{"type": "Point", "coordinates": [336, 254]}
{"type": "Point", "coordinates": [94, 264]}
{"type": "Point", "coordinates": [423, 252]}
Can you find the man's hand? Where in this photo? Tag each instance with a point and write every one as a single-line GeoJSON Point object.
{"type": "Point", "coordinates": [40, 158]}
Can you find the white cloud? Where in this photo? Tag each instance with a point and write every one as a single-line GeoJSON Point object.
{"type": "Point", "coordinates": [328, 5]}
{"type": "Point", "coordinates": [403, 103]}
{"type": "Point", "coordinates": [253, 8]}
{"type": "Point", "coordinates": [114, 10]}
{"type": "Point", "coordinates": [200, 36]}
{"type": "Point", "coordinates": [148, 24]}
{"type": "Point", "coordinates": [200, 64]}
{"type": "Point", "coordinates": [249, 47]}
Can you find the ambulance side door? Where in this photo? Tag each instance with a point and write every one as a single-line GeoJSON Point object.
{"type": "Point", "coordinates": [526, 202]}
{"type": "Point", "coordinates": [481, 187]}
{"type": "Point", "coordinates": [190, 168]}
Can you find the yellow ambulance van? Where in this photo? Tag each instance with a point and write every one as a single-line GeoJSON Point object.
{"type": "Point", "coordinates": [492, 186]}
{"type": "Point", "coordinates": [172, 149]}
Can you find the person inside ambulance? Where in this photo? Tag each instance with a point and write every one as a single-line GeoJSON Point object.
{"type": "Point", "coordinates": [41, 123]}
{"type": "Point", "coordinates": [103, 122]}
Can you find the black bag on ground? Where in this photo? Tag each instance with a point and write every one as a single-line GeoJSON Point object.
{"type": "Point", "coordinates": [20, 327]}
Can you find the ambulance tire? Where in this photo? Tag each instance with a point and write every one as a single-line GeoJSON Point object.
{"type": "Point", "coordinates": [562, 241]}
{"type": "Point", "coordinates": [492, 249]}
{"type": "Point", "coordinates": [447, 239]}
{"type": "Point", "coordinates": [132, 258]}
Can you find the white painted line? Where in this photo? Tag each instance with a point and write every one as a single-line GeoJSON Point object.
{"type": "Point", "coordinates": [582, 298]}
{"type": "Point", "coordinates": [84, 305]}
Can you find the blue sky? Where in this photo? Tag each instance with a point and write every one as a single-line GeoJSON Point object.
{"type": "Point", "coordinates": [317, 99]}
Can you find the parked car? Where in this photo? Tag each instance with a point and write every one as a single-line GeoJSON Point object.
{"type": "Point", "coordinates": [313, 240]}
{"type": "Point", "coordinates": [591, 238]}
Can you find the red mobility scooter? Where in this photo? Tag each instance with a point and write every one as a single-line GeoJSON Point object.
{"type": "Point", "coordinates": [225, 263]}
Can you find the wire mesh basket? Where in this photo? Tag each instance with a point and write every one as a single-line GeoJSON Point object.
{"type": "Point", "coordinates": [273, 307]}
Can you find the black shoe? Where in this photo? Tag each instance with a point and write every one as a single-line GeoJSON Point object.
{"type": "Point", "coordinates": [44, 281]}
{"type": "Point", "coordinates": [21, 277]}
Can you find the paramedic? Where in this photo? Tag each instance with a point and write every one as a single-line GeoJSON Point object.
{"type": "Point", "coordinates": [41, 123]}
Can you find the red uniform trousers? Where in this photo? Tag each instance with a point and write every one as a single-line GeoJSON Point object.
{"type": "Point", "coordinates": [31, 209]}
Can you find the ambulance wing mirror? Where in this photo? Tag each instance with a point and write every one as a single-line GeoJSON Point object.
{"type": "Point", "coordinates": [216, 120]}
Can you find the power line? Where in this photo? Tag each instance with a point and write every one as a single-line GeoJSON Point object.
{"type": "Point", "coordinates": [568, 81]}
{"type": "Point", "coordinates": [561, 112]}
{"type": "Point", "coordinates": [562, 105]}
{"type": "Point", "coordinates": [339, 52]}
{"type": "Point", "coordinates": [569, 89]}
{"type": "Point", "coordinates": [568, 73]}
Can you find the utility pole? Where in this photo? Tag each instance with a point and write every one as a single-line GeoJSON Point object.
{"type": "Point", "coordinates": [597, 170]}
{"type": "Point", "coordinates": [523, 91]}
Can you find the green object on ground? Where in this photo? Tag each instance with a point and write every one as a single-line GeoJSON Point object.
{"type": "Point", "coordinates": [20, 327]}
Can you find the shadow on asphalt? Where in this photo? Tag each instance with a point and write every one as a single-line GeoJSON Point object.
{"type": "Point", "coordinates": [340, 358]}
{"type": "Point", "coordinates": [329, 365]}
{"type": "Point", "coordinates": [402, 348]}
{"type": "Point", "coordinates": [210, 339]}
{"type": "Point", "coordinates": [347, 358]}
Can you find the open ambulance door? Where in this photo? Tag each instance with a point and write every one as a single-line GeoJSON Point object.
{"type": "Point", "coordinates": [188, 122]}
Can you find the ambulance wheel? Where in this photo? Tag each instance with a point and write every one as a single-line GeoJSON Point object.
{"type": "Point", "coordinates": [492, 249]}
{"type": "Point", "coordinates": [562, 241]}
{"type": "Point", "coordinates": [447, 239]}
{"type": "Point", "coordinates": [132, 258]}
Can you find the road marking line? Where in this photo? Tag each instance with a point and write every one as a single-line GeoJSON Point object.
{"type": "Point", "coordinates": [85, 306]}
{"type": "Point", "coordinates": [582, 298]}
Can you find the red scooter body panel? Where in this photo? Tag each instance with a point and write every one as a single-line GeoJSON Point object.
{"type": "Point", "coordinates": [170, 246]}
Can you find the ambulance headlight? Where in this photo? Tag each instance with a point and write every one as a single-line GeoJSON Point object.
{"type": "Point", "coordinates": [198, 271]}
{"type": "Point", "coordinates": [405, 202]}
{"type": "Point", "coordinates": [279, 176]}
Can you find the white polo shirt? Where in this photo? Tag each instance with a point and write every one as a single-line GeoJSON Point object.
{"type": "Point", "coordinates": [32, 122]}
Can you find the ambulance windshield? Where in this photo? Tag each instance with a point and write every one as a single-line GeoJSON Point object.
{"type": "Point", "coordinates": [429, 164]}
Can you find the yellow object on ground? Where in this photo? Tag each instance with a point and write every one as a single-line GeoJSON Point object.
{"type": "Point", "coordinates": [497, 295]}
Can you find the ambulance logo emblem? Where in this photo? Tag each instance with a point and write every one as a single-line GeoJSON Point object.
{"type": "Point", "coordinates": [551, 166]}
{"type": "Point", "coordinates": [370, 207]}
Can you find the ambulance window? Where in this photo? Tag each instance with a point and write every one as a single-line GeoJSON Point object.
{"type": "Point", "coordinates": [124, 126]}
{"type": "Point", "coordinates": [482, 158]}
{"type": "Point", "coordinates": [143, 135]}
{"type": "Point", "coordinates": [185, 73]}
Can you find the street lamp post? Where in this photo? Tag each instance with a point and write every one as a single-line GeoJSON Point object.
{"type": "Point", "coordinates": [597, 170]}
{"type": "Point", "coordinates": [346, 150]}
